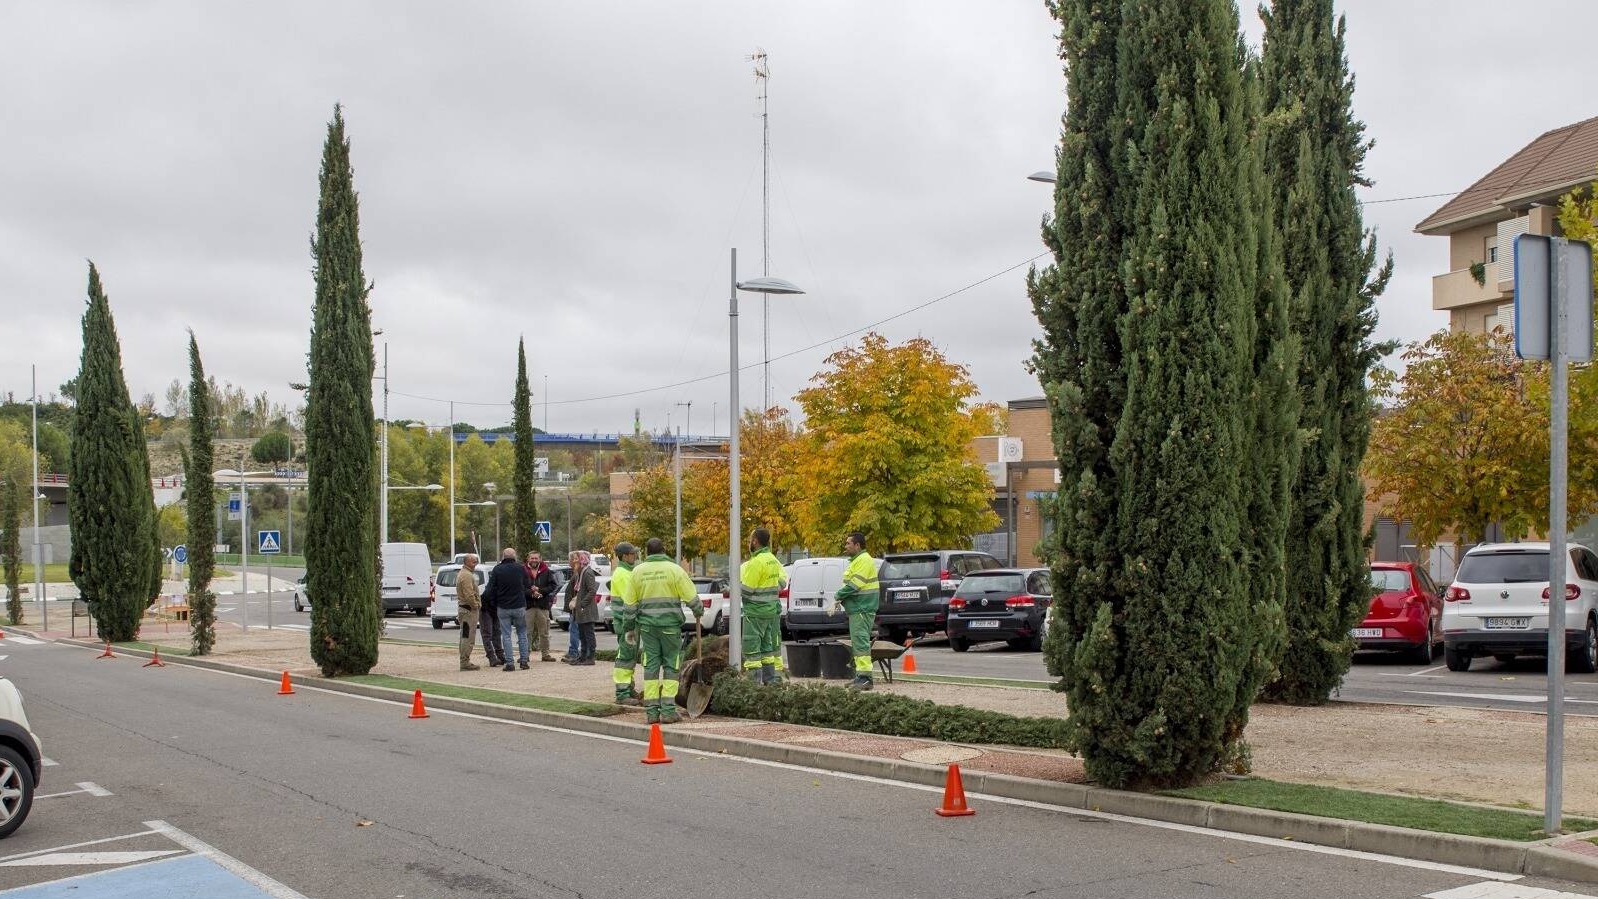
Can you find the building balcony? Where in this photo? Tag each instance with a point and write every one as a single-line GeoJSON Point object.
{"type": "Point", "coordinates": [1458, 289]}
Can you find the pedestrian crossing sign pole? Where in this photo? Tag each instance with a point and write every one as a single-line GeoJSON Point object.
{"type": "Point", "coordinates": [269, 544]}
{"type": "Point", "coordinates": [541, 530]}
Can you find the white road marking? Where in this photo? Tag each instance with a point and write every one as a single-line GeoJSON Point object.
{"type": "Point", "coordinates": [296, 627]}
{"type": "Point", "coordinates": [77, 877]}
{"type": "Point", "coordinates": [25, 641]}
{"type": "Point", "coordinates": [1505, 697]}
{"type": "Point", "coordinates": [78, 859]}
{"type": "Point", "coordinates": [126, 836]}
{"type": "Point", "coordinates": [1003, 800]}
{"type": "Point", "coordinates": [1503, 891]}
{"type": "Point", "coordinates": [1433, 676]}
{"type": "Point", "coordinates": [47, 762]}
{"type": "Point", "coordinates": [93, 789]}
{"type": "Point", "coordinates": [1427, 671]}
{"type": "Point", "coordinates": [255, 878]}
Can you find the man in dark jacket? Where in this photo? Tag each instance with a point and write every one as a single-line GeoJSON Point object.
{"type": "Point", "coordinates": [507, 593]}
{"type": "Point", "coordinates": [539, 599]}
{"type": "Point", "coordinates": [488, 621]}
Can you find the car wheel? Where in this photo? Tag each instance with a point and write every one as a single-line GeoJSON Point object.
{"type": "Point", "coordinates": [565, 625]}
{"type": "Point", "coordinates": [438, 624]}
{"type": "Point", "coordinates": [1456, 659]}
{"type": "Point", "coordinates": [420, 612]}
{"type": "Point", "coordinates": [298, 607]}
{"type": "Point", "coordinates": [894, 635]}
{"type": "Point", "coordinates": [1422, 654]}
{"type": "Point", "coordinates": [958, 644]}
{"type": "Point", "coordinates": [720, 627]}
{"type": "Point", "coordinates": [1585, 659]}
{"type": "Point", "coordinates": [16, 790]}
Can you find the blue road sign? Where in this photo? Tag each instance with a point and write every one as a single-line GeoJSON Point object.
{"type": "Point", "coordinates": [181, 555]}
{"type": "Point", "coordinates": [270, 542]}
{"type": "Point", "coordinates": [542, 530]}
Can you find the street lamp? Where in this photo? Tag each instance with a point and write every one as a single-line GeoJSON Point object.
{"type": "Point", "coordinates": [1045, 176]}
{"type": "Point", "coordinates": [382, 494]}
{"type": "Point", "coordinates": [424, 427]}
{"type": "Point", "coordinates": [766, 286]}
{"type": "Point", "coordinates": [244, 541]}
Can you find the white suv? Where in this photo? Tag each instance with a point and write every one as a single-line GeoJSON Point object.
{"type": "Point", "coordinates": [21, 760]}
{"type": "Point", "coordinates": [1498, 606]}
{"type": "Point", "coordinates": [445, 607]}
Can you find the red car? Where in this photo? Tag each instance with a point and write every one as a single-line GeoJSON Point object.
{"type": "Point", "coordinates": [1405, 614]}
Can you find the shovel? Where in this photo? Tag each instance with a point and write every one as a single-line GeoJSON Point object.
{"type": "Point", "coordinates": [698, 686]}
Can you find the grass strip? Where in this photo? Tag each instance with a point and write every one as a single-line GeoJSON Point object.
{"type": "Point", "coordinates": [498, 697]}
{"type": "Point", "coordinates": [150, 647]}
{"type": "Point", "coordinates": [1434, 815]}
{"type": "Point", "coordinates": [971, 681]}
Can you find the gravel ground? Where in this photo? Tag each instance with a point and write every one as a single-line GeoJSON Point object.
{"type": "Point", "coordinates": [1468, 754]}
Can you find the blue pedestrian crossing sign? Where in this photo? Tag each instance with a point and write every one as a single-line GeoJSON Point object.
{"type": "Point", "coordinates": [542, 530]}
{"type": "Point", "coordinates": [180, 555]}
{"type": "Point", "coordinates": [270, 542]}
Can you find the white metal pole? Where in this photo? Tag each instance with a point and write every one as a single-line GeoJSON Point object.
{"type": "Point", "coordinates": [382, 495]}
{"type": "Point", "coordinates": [735, 513]}
{"type": "Point", "coordinates": [1553, 818]}
{"type": "Point", "coordinates": [244, 545]}
{"type": "Point", "coordinates": [452, 480]}
{"type": "Point", "coordinates": [38, 548]}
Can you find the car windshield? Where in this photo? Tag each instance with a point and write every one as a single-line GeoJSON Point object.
{"type": "Point", "coordinates": [904, 567]}
{"type": "Point", "coordinates": [1504, 568]}
{"type": "Point", "coordinates": [1387, 580]}
{"type": "Point", "coordinates": [979, 584]}
{"type": "Point", "coordinates": [704, 584]}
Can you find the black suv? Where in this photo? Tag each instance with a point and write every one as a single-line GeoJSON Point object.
{"type": "Point", "coordinates": [916, 589]}
{"type": "Point", "coordinates": [1009, 604]}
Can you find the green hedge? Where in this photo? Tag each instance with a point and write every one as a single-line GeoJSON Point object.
{"type": "Point", "coordinates": [881, 713]}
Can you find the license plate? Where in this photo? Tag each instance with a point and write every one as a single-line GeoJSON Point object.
{"type": "Point", "coordinates": [983, 624]}
{"type": "Point", "coordinates": [1367, 633]}
{"type": "Point", "coordinates": [908, 596]}
{"type": "Point", "coordinates": [806, 603]}
{"type": "Point", "coordinates": [1506, 624]}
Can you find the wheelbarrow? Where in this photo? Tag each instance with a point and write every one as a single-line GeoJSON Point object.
{"type": "Point", "coordinates": [884, 653]}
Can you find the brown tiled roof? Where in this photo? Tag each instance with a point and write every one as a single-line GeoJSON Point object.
{"type": "Point", "coordinates": [1550, 164]}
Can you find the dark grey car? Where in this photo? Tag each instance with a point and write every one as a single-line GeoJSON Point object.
{"type": "Point", "coordinates": [916, 589]}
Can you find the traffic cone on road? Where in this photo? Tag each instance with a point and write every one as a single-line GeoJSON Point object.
{"type": "Point", "coordinates": [954, 796]}
{"type": "Point", "coordinates": [909, 659]}
{"type": "Point", "coordinates": [155, 659]}
{"type": "Point", "coordinates": [288, 686]}
{"type": "Point", "coordinates": [108, 654]}
{"type": "Point", "coordinates": [657, 748]}
{"type": "Point", "coordinates": [417, 709]}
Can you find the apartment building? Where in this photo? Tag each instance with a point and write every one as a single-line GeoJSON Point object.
{"type": "Point", "coordinates": [1519, 196]}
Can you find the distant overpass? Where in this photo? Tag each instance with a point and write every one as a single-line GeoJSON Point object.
{"type": "Point", "coordinates": [595, 440]}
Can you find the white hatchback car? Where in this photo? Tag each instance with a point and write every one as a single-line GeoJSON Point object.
{"type": "Point", "coordinates": [1498, 606]}
{"type": "Point", "coordinates": [445, 607]}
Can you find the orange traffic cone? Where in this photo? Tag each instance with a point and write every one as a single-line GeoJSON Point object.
{"type": "Point", "coordinates": [954, 796]}
{"type": "Point", "coordinates": [155, 659]}
{"type": "Point", "coordinates": [417, 709]}
{"type": "Point", "coordinates": [288, 687]}
{"type": "Point", "coordinates": [108, 654]}
{"type": "Point", "coordinates": [909, 659]}
{"type": "Point", "coordinates": [657, 748]}
{"type": "Point", "coordinates": [2, 635]}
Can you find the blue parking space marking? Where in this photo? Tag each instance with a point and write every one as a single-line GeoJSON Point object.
{"type": "Point", "coordinates": [188, 877]}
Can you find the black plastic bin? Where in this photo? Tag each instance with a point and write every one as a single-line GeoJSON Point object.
{"type": "Point", "coordinates": [836, 661]}
{"type": "Point", "coordinates": [804, 659]}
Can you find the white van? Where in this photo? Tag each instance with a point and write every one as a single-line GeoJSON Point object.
{"type": "Point", "coordinates": [407, 578]}
{"type": "Point", "coordinates": [812, 584]}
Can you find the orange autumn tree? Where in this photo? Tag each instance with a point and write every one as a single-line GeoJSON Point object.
{"type": "Point", "coordinates": [885, 450]}
{"type": "Point", "coordinates": [769, 487]}
{"type": "Point", "coordinates": [1464, 443]}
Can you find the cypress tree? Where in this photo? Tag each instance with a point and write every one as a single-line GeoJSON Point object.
{"type": "Point", "coordinates": [1151, 340]}
{"type": "Point", "coordinates": [340, 433]}
{"type": "Point", "coordinates": [524, 517]}
{"type": "Point", "coordinates": [116, 556]}
{"type": "Point", "coordinates": [12, 496]}
{"type": "Point", "coordinates": [200, 493]}
{"type": "Point", "coordinates": [1314, 151]}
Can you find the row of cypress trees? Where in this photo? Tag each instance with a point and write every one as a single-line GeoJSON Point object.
{"type": "Point", "coordinates": [1205, 337]}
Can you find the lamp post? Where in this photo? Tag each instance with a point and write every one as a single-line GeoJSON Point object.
{"type": "Point", "coordinates": [424, 427]}
{"type": "Point", "coordinates": [38, 551]}
{"type": "Point", "coordinates": [382, 492]}
{"type": "Point", "coordinates": [485, 503]}
{"type": "Point", "coordinates": [768, 286]}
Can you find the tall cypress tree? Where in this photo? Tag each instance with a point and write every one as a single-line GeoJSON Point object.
{"type": "Point", "coordinates": [340, 433]}
{"type": "Point", "coordinates": [1151, 338]}
{"type": "Point", "coordinates": [524, 518]}
{"type": "Point", "coordinates": [12, 495]}
{"type": "Point", "coordinates": [116, 556]}
{"type": "Point", "coordinates": [1314, 152]}
{"type": "Point", "coordinates": [199, 491]}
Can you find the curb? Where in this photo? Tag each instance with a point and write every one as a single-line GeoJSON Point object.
{"type": "Point", "coordinates": [1540, 859]}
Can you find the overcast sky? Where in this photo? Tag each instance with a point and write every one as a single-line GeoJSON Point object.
{"type": "Point", "coordinates": [576, 173]}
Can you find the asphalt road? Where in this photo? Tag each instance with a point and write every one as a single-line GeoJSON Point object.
{"type": "Point", "coordinates": [336, 796]}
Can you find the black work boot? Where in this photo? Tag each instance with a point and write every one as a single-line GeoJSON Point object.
{"type": "Point", "coordinates": [862, 682]}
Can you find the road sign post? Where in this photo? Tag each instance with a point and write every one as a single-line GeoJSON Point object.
{"type": "Point", "coordinates": [1553, 298]}
{"type": "Point", "coordinates": [269, 544]}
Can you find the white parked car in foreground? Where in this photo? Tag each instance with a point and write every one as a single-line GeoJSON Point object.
{"type": "Point", "coordinates": [21, 760]}
{"type": "Point", "coordinates": [1498, 606]}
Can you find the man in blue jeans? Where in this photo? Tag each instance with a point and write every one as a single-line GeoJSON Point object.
{"type": "Point", "coordinates": [507, 595]}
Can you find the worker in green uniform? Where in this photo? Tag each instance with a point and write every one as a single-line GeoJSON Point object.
{"type": "Point", "coordinates": [859, 598]}
{"type": "Point", "coordinates": [760, 583]}
{"type": "Point", "coordinates": [659, 588]}
{"type": "Point", "coordinates": [624, 620]}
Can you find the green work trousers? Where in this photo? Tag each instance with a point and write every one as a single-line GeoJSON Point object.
{"type": "Point", "coordinates": [662, 660]}
{"type": "Point", "coordinates": [762, 641]}
{"type": "Point", "coordinates": [860, 624]}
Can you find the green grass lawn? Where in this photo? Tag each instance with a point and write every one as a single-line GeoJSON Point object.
{"type": "Point", "coordinates": [1375, 808]}
{"type": "Point", "coordinates": [499, 697]}
{"type": "Point", "coordinates": [150, 647]}
{"type": "Point", "coordinates": [259, 561]}
{"type": "Point", "coordinates": [57, 573]}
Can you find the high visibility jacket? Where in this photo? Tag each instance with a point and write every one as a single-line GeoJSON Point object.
{"type": "Point", "coordinates": [660, 588]}
{"type": "Point", "coordinates": [623, 614]}
{"type": "Point", "coordinates": [760, 584]}
{"type": "Point", "coordinates": [859, 592]}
